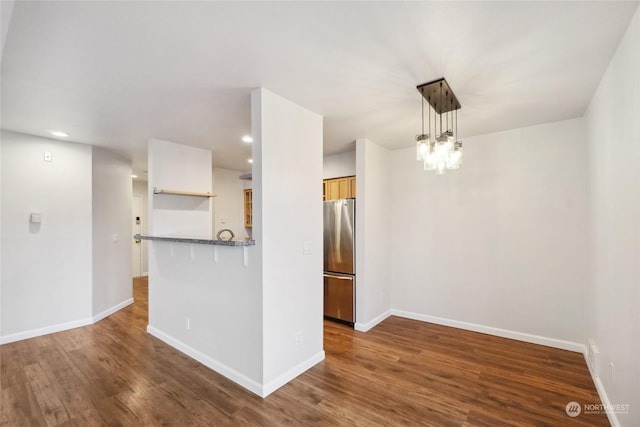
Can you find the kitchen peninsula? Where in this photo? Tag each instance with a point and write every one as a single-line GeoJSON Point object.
{"type": "Point", "coordinates": [253, 315]}
{"type": "Point", "coordinates": [203, 292]}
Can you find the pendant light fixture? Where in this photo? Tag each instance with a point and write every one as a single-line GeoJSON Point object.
{"type": "Point", "coordinates": [444, 151]}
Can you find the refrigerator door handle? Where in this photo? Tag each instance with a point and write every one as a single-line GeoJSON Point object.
{"type": "Point", "coordinates": [338, 277]}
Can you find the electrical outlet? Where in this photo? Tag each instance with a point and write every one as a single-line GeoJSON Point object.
{"type": "Point", "coordinates": [307, 247]}
{"type": "Point", "coordinates": [299, 338]}
{"type": "Point", "coordinates": [187, 323]}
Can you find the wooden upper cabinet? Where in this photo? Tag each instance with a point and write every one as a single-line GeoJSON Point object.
{"type": "Point", "coordinates": [339, 188]}
{"type": "Point", "coordinates": [343, 188]}
{"type": "Point", "coordinates": [248, 207]}
{"type": "Point", "coordinates": [333, 189]}
{"type": "Point", "coordinates": [352, 186]}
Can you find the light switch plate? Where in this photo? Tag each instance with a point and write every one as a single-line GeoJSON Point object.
{"type": "Point", "coordinates": [36, 217]}
{"type": "Point", "coordinates": [307, 247]}
{"type": "Point", "coordinates": [48, 157]}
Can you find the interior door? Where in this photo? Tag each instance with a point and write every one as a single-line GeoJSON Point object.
{"type": "Point", "coordinates": [136, 226]}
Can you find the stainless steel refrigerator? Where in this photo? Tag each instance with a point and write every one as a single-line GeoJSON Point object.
{"type": "Point", "coordinates": [339, 260]}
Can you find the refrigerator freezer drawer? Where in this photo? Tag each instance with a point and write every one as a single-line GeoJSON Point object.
{"type": "Point", "coordinates": [339, 297]}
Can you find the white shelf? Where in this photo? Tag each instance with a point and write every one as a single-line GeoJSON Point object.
{"type": "Point", "coordinates": [157, 191]}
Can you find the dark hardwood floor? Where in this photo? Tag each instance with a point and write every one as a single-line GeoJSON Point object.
{"type": "Point", "coordinates": [402, 372]}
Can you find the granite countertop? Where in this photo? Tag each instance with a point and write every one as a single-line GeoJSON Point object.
{"type": "Point", "coordinates": [198, 241]}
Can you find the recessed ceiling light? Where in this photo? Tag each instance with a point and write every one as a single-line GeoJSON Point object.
{"type": "Point", "coordinates": [250, 160]}
{"type": "Point", "coordinates": [247, 138]}
{"type": "Point", "coordinates": [58, 133]}
{"type": "Point", "coordinates": [134, 176]}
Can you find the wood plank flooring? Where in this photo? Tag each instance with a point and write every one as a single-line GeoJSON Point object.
{"type": "Point", "coordinates": [402, 372]}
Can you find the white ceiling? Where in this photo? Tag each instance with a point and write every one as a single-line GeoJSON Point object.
{"type": "Point", "coordinates": [117, 73]}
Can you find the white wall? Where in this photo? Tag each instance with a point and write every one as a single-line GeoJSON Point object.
{"type": "Point", "coordinates": [67, 271]}
{"type": "Point", "coordinates": [46, 268]}
{"type": "Point", "coordinates": [613, 138]}
{"type": "Point", "coordinates": [501, 242]}
{"type": "Point", "coordinates": [140, 188]}
{"type": "Point", "coordinates": [287, 207]}
{"type": "Point", "coordinates": [112, 234]}
{"type": "Point", "coordinates": [373, 234]}
{"type": "Point", "coordinates": [339, 165]}
{"type": "Point", "coordinates": [184, 216]}
{"type": "Point", "coordinates": [228, 206]}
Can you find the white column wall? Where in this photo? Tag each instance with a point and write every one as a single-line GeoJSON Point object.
{"type": "Point", "coordinates": [499, 245]}
{"type": "Point", "coordinates": [46, 268]}
{"type": "Point", "coordinates": [6, 10]}
{"type": "Point", "coordinates": [613, 138]}
{"type": "Point", "coordinates": [287, 172]}
{"type": "Point", "coordinates": [111, 232]}
{"type": "Point", "coordinates": [373, 234]}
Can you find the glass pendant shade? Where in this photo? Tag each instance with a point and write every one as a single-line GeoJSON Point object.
{"type": "Point", "coordinates": [430, 158]}
{"type": "Point", "coordinates": [443, 147]}
{"type": "Point", "coordinates": [455, 157]}
{"type": "Point", "coordinates": [422, 146]}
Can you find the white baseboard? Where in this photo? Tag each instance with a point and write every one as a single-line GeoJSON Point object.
{"type": "Point", "coordinates": [505, 333]}
{"type": "Point", "coordinates": [63, 326]}
{"type": "Point", "coordinates": [287, 376]}
{"type": "Point", "coordinates": [613, 419]}
{"type": "Point", "coordinates": [45, 331]}
{"type": "Point", "coordinates": [112, 310]}
{"type": "Point", "coordinates": [230, 373]}
{"type": "Point", "coordinates": [364, 327]}
{"type": "Point", "coordinates": [235, 376]}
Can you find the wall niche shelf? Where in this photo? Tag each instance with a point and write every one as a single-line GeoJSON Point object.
{"type": "Point", "coordinates": [157, 191]}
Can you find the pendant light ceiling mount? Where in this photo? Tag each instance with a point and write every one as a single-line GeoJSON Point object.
{"type": "Point", "coordinates": [440, 96]}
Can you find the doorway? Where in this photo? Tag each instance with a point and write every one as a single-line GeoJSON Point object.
{"type": "Point", "coordinates": [136, 250]}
